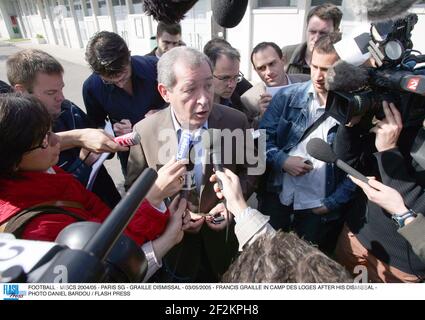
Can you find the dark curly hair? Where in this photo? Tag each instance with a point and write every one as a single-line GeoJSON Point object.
{"type": "Point", "coordinates": [284, 257]}
{"type": "Point", "coordinates": [107, 54]}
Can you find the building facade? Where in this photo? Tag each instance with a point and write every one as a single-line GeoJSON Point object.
{"type": "Point", "coordinates": [71, 23]}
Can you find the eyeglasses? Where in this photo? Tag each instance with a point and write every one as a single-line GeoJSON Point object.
{"type": "Point", "coordinates": [44, 144]}
{"type": "Point", "coordinates": [236, 79]}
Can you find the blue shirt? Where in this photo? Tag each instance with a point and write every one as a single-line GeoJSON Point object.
{"type": "Point", "coordinates": [107, 100]}
{"type": "Point", "coordinates": [285, 121]}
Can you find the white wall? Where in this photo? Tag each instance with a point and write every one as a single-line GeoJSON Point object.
{"type": "Point", "coordinates": [418, 33]}
{"type": "Point", "coordinates": [105, 23]}
{"type": "Point", "coordinates": [71, 33]}
{"type": "Point", "coordinates": [282, 26]}
{"type": "Point", "coordinates": [140, 29]}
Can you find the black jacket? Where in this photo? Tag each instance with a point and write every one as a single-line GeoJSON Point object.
{"type": "Point", "coordinates": [72, 117]}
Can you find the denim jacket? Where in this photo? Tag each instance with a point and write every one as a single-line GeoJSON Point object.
{"type": "Point", "coordinates": [285, 122]}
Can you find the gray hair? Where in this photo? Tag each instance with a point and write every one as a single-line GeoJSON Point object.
{"type": "Point", "coordinates": [284, 257]}
{"type": "Point", "coordinates": [190, 57]}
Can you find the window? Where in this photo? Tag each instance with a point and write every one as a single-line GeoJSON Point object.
{"type": "Point", "coordinates": [103, 10]}
{"type": "Point", "coordinates": [319, 2]}
{"type": "Point", "coordinates": [277, 3]}
{"type": "Point", "coordinates": [138, 6]}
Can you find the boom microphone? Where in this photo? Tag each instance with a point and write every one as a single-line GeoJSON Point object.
{"type": "Point", "coordinates": [228, 13]}
{"type": "Point", "coordinates": [320, 150]}
{"type": "Point", "coordinates": [379, 10]}
{"type": "Point", "coordinates": [168, 11]}
{"type": "Point", "coordinates": [345, 77]}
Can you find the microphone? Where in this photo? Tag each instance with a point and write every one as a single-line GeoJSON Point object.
{"type": "Point", "coordinates": [228, 13]}
{"type": "Point", "coordinates": [128, 140]}
{"type": "Point", "coordinates": [212, 142]}
{"type": "Point", "coordinates": [168, 11]}
{"type": "Point", "coordinates": [320, 150]}
{"type": "Point", "coordinates": [400, 80]}
{"type": "Point", "coordinates": [378, 10]}
{"type": "Point", "coordinates": [345, 77]}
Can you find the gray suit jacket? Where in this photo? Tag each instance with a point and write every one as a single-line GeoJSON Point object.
{"type": "Point", "coordinates": [159, 140]}
{"type": "Point", "coordinates": [251, 97]}
{"type": "Point", "coordinates": [294, 57]}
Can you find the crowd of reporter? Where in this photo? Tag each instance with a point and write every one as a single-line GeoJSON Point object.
{"type": "Point", "coordinates": [312, 224]}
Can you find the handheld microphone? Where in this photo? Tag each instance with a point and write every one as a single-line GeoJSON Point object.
{"type": "Point", "coordinates": [320, 150]}
{"type": "Point", "coordinates": [399, 80]}
{"type": "Point", "coordinates": [212, 143]}
{"type": "Point", "coordinates": [128, 140]}
{"type": "Point", "coordinates": [228, 13]}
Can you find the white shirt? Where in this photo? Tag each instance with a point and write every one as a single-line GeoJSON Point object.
{"type": "Point", "coordinates": [309, 190]}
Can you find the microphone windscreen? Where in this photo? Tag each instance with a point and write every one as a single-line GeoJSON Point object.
{"type": "Point", "coordinates": [320, 150]}
{"type": "Point", "coordinates": [345, 77]}
{"type": "Point", "coordinates": [228, 13]}
{"type": "Point", "coordinates": [380, 10]}
{"type": "Point", "coordinates": [376, 10]}
{"type": "Point", "coordinates": [168, 11]}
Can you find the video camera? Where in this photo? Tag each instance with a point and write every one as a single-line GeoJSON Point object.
{"type": "Point", "coordinates": [396, 77]}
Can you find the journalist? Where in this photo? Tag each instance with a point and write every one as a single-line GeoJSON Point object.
{"type": "Point", "coordinates": [270, 256]}
{"type": "Point", "coordinates": [52, 199]}
{"type": "Point", "coordinates": [370, 236]}
{"type": "Point", "coordinates": [391, 200]}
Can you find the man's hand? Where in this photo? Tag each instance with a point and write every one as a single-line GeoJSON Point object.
{"type": "Point", "coordinates": [94, 140]}
{"type": "Point", "coordinates": [320, 210]}
{"type": "Point", "coordinates": [231, 191]}
{"type": "Point", "coordinates": [264, 102]}
{"type": "Point", "coordinates": [173, 233]}
{"type": "Point", "coordinates": [122, 127]}
{"type": "Point", "coordinates": [388, 130]}
{"type": "Point", "coordinates": [195, 223]}
{"type": "Point", "coordinates": [384, 196]}
{"type": "Point", "coordinates": [88, 157]}
{"type": "Point", "coordinates": [218, 210]}
{"type": "Point", "coordinates": [296, 167]}
{"type": "Point", "coordinates": [168, 183]}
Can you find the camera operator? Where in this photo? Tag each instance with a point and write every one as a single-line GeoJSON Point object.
{"type": "Point", "coordinates": [370, 236]}
{"type": "Point", "coordinates": [392, 201]}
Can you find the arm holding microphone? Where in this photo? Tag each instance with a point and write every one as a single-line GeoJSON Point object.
{"type": "Point", "coordinates": [94, 140]}
{"type": "Point", "coordinates": [250, 223]}
{"type": "Point", "coordinates": [391, 200]}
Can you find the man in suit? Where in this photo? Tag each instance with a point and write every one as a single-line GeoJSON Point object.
{"type": "Point", "coordinates": [185, 81]}
{"type": "Point", "coordinates": [168, 36]}
{"type": "Point", "coordinates": [268, 62]}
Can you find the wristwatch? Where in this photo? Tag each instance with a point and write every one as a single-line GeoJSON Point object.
{"type": "Point", "coordinates": [400, 219]}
